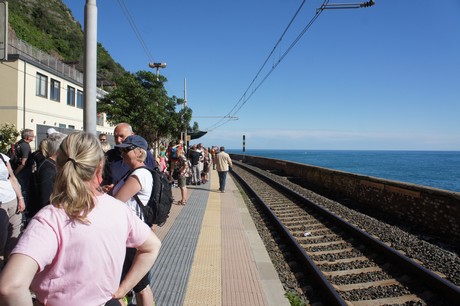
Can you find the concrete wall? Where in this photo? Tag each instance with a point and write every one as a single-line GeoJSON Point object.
{"type": "Point", "coordinates": [434, 209]}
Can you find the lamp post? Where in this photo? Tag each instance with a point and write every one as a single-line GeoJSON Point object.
{"type": "Point", "coordinates": [157, 66]}
{"type": "Point", "coordinates": [90, 58]}
{"type": "Point", "coordinates": [185, 121]}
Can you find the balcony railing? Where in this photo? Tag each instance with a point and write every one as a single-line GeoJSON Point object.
{"type": "Point", "coordinates": [18, 46]}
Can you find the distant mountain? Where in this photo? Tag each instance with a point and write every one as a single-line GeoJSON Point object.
{"type": "Point", "coordinates": [50, 26]}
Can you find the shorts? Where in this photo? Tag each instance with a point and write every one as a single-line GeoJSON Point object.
{"type": "Point", "coordinates": [129, 258]}
{"type": "Point", "coordinates": [181, 181]}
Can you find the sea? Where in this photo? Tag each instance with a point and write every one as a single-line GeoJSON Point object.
{"type": "Point", "coordinates": [437, 169]}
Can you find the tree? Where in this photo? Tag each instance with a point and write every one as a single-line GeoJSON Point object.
{"type": "Point", "coordinates": [142, 101]}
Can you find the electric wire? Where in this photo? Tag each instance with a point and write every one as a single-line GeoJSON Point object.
{"type": "Point", "coordinates": [136, 31]}
{"type": "Point", "coordinates": [271, 53]}
{"type": "Point", "coordinates": [244, 99]}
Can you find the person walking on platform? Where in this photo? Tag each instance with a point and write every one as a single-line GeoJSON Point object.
{"type": "Point", "coordinates": [223, 165]}
{"type": "Point", "coordinates": [72, 251]}
{"type": "Point", "coordinates": [135, 189]}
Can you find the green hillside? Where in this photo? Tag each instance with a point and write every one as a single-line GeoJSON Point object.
{"type": "Point", "coordinates": [50, 26]}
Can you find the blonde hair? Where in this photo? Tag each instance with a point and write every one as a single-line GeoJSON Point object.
{"type": "Point", "coordinates": [44, 147]}
{"type": "Point", "coordinates": [78, 158]}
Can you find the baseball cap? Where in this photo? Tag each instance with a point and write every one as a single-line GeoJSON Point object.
{"type": "Point", "coordinates": [134, 140]}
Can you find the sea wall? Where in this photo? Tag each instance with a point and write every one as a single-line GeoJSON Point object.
{"type": "Point", "coordinates": [430, 208]}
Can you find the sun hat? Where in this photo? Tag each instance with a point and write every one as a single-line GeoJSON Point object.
{"type": "Point", "coordinates": [134, 140]}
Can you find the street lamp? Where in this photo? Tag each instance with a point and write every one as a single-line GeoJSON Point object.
{"type": "Point", "coordinates": [157, 66]}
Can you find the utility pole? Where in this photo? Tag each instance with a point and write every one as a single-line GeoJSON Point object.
{"type": "Point", "coordinates": [185, 108]}
{"type": "Point", "coordinates": [90, 73]}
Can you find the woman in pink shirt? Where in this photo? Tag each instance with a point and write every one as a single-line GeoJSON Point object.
{"type": "Point", "coordinates": [72, 251]}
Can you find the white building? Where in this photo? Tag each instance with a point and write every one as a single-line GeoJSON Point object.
{"type": "Point", "coordinates": [38, 91]}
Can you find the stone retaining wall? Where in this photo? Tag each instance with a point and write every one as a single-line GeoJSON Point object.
{"type": "Point", "coordinates": [434, 209]}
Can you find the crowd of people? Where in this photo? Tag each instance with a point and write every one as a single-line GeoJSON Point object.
{"type": "Point", "coordinates": [78, 195]}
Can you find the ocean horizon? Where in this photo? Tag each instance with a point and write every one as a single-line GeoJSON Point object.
{"type": "Point", "coordinates": [436, 169]}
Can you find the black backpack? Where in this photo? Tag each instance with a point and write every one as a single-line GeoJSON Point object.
{"type": "Point", "coordinates": [157, 209]}
{"type": "Point", "coordinates": [14, 153]}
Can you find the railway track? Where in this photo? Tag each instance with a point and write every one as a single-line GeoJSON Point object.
{"type": "Point", "coordinates": [350, 266]}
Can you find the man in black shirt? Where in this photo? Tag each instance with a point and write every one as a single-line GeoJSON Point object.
{"type": "Point", "coordinates": [23, 170]}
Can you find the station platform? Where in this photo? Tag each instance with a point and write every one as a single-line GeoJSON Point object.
{"type": "Point", "coordinates": [212, 254]}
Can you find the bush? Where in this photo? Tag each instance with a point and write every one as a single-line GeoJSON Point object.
{"type": "Point", "coordinates": [8, 135]}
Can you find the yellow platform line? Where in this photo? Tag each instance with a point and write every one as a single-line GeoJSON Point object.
{"type": "Point", "coordinates": [204, 285]}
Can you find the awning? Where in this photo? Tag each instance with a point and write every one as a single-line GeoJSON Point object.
{"type": "Point", "coordinates": [196, 135]}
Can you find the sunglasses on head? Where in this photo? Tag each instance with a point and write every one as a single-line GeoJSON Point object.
{"type": "Point", "coordinates": [127, 149]}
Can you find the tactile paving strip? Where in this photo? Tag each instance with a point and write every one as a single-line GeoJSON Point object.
{"type": "Point", "coordinates": [204, 287]}
{"type": "Point", "coordinates": [172, 268]}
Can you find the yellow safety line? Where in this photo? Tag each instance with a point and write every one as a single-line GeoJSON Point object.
{"type": "Point", "coordinates": [204, 285]}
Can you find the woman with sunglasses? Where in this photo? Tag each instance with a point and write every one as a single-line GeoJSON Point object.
{"type": "Point", "coordinates": [138, 182]}
{"type": "Point", "coordinates": [72, 251]}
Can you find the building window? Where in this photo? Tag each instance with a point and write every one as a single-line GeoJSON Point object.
{"type": "Point", "coordinates": [72, 127]}
{"type": "Point", "coordinates": [62, 125]}
{"type": "Point", "coordinates": [79, 99]}
{"type": "Point", "coordinates": [70, 96]}
{"type": "Point", "coordinates": [42, 85]}
{"type": "Point", "coordinates": [55, 90]}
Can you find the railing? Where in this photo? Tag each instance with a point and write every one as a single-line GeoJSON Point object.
{"type": "Point", "coordinates": [18, 46]}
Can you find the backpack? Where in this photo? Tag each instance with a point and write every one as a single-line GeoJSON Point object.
{"type": "Point", "coordinates": [14, 153]}
{"type": "Point", "coordinates": [157, 209]}
{"type": "Point", "coordinates": [174, 153]}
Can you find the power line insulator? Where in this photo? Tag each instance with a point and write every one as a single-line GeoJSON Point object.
{"type": "Point", "coordinates": [367, 4]}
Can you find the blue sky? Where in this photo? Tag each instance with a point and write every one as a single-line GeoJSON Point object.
{"type": "Point", "coordinates": [380, 78]}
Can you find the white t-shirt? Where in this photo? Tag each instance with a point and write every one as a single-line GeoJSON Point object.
{"type": "Point", "coordinates": [7, 193]}
{"type": "Point", "coordinates": [80, 264]}
{"type": "Point", "coordinates": [145, 178]}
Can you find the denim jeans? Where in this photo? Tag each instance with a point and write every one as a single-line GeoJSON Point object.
{"type": "Point", "coordinates": [222, 179]}
{"type": "Point", "coordinates": [196, 175]}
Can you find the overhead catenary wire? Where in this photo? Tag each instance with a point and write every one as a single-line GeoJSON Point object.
{"type": "Point", "coordinates": [136, 31]}
{"type": "Point", "coordinates": [244, 98]}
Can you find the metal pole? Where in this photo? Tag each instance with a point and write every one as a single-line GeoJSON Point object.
{"type": "Point", "coordinates": [3, 30]}
{"type": "Point", "coordinates": [185, 108]}
{"type": "Point", "coordinates": [90, 75]}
